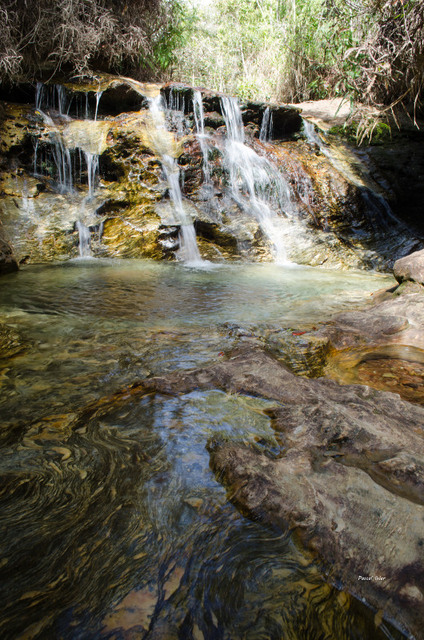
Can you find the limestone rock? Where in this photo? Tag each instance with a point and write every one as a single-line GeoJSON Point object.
{"type": "Point", "coordinates": [410, 268]}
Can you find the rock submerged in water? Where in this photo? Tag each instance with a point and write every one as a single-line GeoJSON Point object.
{"type": "Point", "coordinates": [349, 480]}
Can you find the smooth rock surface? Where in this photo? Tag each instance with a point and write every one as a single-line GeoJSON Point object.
{"type": "Point", "coordinates": [410, 268]}
{"type": "Point", "coordinates": [381, 345]}
{"type": "Point", "coordinates": [349, 479]}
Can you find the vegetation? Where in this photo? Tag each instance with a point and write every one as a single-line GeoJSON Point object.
{"type": "Point", "coordinates": [40, 37]}
{"type": "Point", "coordinates": [295, 50]}
{"type": "Point", "coordinates": [282, 50]}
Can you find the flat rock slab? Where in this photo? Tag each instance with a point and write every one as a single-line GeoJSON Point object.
{"type": "Point", "coordinates": [349, 480]}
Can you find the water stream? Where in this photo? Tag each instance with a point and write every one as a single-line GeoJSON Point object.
{"type": "Point", "coordinates": [265, 132]}
{"type": "Point", "coordinates": [163, 143]}
{"type": "Point", "coordinates": [112, 523]}
{"type": "Point", "coordinates": [73, 144]}
{"type": "Point", "coordinates": [256, 184]}
{"type": "Point", "coordinates": [202, 138]}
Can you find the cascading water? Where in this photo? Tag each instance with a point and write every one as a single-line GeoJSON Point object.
{"type": "Point", "coordinates": [202, 137]}
{"type": "Point", "coordinates": [72, 143]}
{"type": "Point", "coordinates": [379, 210]}
{"type": "Point", "coordinates": [256, 185]}
{"type": "Point", "coordinates": [92, 162]}
{"type": "Point", "coordinates": [175, 112]}
{"type": "Point", "coordinates": [188, 252]}
{"type": "Point", "coordinates": [84, 240]}
{"type": "Point", "coordinates": [265, 132]}
{"type": "Point", "coordinates": [63, 162]}
{"type": "Point", "coordinates": [99, 94]}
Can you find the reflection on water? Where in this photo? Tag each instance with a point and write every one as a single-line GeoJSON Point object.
{"type": "Point", "coordinates": [112, 524]}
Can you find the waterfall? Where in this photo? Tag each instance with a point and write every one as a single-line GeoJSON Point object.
{"type": "Point", "coordinates": [265, 133]}
{"type": "Point", "coordinates": [202, 136]}
{"type": "Point", "coordinates": [84, 239]}
{"type": "Point", "coordinates": [256, 185]}
{"type": "Point", "coordinates": [51, 97]}
{"type": "Point", "coordinates": [99, 94]}
{"type": "Point", "coordinates": [63, 162]}
{"type": "Point", "coordinates": [176, 101]}
{"type": "Point", "coordinates": [92, 161]}
{"type": "Point", "coordinates": [377, 207]}
{"type": "Point", "coordinates": [188, 251]}
{"type": "Point", "coordinates": [161, 143]}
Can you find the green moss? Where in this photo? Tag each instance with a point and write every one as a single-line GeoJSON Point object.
{"type": "Point", "coordinates": [356, 133]}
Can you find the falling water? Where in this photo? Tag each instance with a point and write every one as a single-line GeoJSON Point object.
{"type": "Point", "coordinates": [378, 209]}
{"type": "Point", "coordinates": [99, 94]}
{"type": "Point", "coordinates": [51, 97]}
{"type": "Point", "coordinates": [256, 185]}
{"type": "Point", "coordinates": [265, 133]}
{"type": "Point", "coordinates": [84, 239]}
{"type": "Point", "coordinates": [92, 161]}
{"type": "Point", "coordinates": [63, 162]}
{"type": "Point", "coordinates": [176, 101]}
{"type": "Point", "coordinates": [38, 95]}
{"type": "Point", "coordinates": [188, 251]}
{"type": "Point", "coordinates": [201, 135]}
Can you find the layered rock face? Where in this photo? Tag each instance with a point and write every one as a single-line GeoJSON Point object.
{"type": "Point", "coordinates": [93, 155]}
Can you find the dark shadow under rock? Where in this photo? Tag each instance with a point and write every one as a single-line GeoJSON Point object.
{"type": "Point", "coordinates": [8, 262]}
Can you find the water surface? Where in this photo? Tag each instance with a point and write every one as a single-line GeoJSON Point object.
{"type": "Point", "coordinates": [112, 523]}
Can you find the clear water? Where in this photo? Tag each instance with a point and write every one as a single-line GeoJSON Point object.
{"type": "Point", "coordinates": [112, 523]}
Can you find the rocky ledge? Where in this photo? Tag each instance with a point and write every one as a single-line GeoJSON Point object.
{"type": "Point", "coordinates": [381, 345]}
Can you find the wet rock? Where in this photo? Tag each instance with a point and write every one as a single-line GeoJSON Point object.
{"type": "Point", "coordinates": [8, 261]}
{"type": "Point", "coordinates": [286, 119]}
{"type": "Point", "coordinates": [349, 479]}
{"type": "Point", "coordinates": [410, 268]}
{"type": "Point", "coordinates": [381, 345]}
{"type": "Point", "coordinates": [11, 343]}
{"type": "Point", "coordinates": [331, 219]}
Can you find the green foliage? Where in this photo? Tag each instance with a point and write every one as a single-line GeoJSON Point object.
{"type": "Point", "coordinates": [175, 33]}
{"type": "Point", "coordinates": [295, 50]}
{"type": "Point", "coordinates": [235, 47]}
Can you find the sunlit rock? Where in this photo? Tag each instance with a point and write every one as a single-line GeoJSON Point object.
{"type": "Point", "coordinates": [410, 268]}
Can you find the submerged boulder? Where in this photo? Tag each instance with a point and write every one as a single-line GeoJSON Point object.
{"type": "Point", "coordinates": [349, 478]}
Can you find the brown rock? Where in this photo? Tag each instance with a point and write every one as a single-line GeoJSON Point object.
{"type": "Point", "coordinates": [349, 480]}
{"type": "Point", "coordinates": [8, 262]}
{"type": "Point", "coordinates": [410, 268]}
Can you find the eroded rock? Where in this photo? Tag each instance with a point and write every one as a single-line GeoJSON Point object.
{"type": "Point", "coordinates": [381, 345]}
{"type": "Point", "coordinates": [410, 268]}
{"type": "Point", "coordinates": [349, 479]}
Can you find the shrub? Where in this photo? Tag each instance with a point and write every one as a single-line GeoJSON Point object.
{"type": "Point", "coordinates": [41, 37]}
